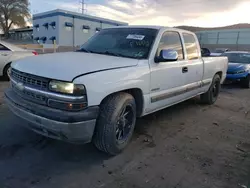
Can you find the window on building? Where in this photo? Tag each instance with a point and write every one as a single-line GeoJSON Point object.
{"type": "Point", "coordinates": [68, 26]}
{"type": "Point", "coordinates": [171, 40]}
{"type": "Point", "coordinates": [97, 29]}
{"type": "Point", "coordinates": [191, 46]}
{"type": "Point", "coordinates": [46, 25]}
{"type": "Point", "coordinates": [85, 29]}
{"type": "Point", "coordinates": [36, 26]}
{"type": "Point", "coordinates": [43, 39]}
{"type": "Point", "coordinates": [53, 39]}
{"type": "Point", "coordinates": [53, 25]}
{"type": "Point", "coordinates": [36, 38]}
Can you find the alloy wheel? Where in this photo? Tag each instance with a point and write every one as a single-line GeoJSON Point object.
{"type": "Point", "coordinates": [124, 124]}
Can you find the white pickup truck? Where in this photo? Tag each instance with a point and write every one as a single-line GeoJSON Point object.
{"type": "Point", "coordinates": [96, 93]}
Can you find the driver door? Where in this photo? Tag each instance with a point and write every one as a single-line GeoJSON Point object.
{"type": "Point", "coordinates": [167, 83]}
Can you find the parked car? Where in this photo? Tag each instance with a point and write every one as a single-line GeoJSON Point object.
{"type": "Point", "coordinates": [10, 53]}
{"type": "Point", "coordinates": [219, 51]}
{"type": "Point", "coordinates": [238, 67]}
{"type": "Point", "coordinates": [96, 93]}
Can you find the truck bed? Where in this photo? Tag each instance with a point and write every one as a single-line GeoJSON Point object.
{"type": "Point", "coordinates": [214, 65]}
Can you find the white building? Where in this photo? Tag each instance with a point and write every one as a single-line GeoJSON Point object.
{"type": "Point", "coordinates": [68, 28]}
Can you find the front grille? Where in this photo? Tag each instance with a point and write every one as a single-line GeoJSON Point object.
{"type": "Point", "coordinates": [31, 96]}
{"type": "Point", "coordinates": [33, 82]}
{"type": "Point", "coordinates": [230, 72]}
{"type": "Point", "coordinates": [30, 80]}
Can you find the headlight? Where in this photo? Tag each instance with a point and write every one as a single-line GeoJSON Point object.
{"type": "Point", "coordinates": [67, 88]}
{"type": "Point", "coordinates": [70, 89]}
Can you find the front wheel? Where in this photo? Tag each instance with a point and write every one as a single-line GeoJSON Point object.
{"type": "Point", "coordinates": [212, 94]}
{"type": "Point", "coordinates": [116, 123]}
{"type": "Point", "coordinates": [6, 72]}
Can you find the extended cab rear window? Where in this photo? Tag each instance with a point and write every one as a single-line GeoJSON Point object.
{"type": "Point", "coordinates": [191, 46]}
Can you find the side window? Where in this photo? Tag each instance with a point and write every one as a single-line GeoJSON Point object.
{"type": "Point", "coordinates": [191, 46]}
{"type": "Point", "coordinates": [171, 40]}
{"type": "Point", "coordinates": [3, 48]}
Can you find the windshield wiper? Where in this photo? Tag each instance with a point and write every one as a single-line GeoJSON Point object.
{"type": "Point", "coordinates": [113, 54]}
{"type": "Point", "coordinates": [109, 53]}
{"type": "Point", "coordinates": [84, 50]}
{"type": "Point", "coordinates": [105, 53]}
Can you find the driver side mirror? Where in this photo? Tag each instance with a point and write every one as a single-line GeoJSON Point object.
{"type": "Point", "coordinates": [166, 56]}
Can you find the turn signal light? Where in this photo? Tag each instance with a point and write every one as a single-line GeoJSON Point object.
{"type": "Point", "coordinates": [66, 105]}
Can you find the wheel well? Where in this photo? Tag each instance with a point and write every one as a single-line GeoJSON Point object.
{"type": "Point", "coordinates": [219, 73]}
{"type": "Point", "coordinates": [6, 67]}
{"type": "Point", "coordinates": [138, 96]}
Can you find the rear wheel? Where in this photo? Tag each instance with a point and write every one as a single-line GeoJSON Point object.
{"type": "Point", "coordinates": [246, 82]}
{"type": "Point", "coordinates": [212, 94]}
{"type": "Point", "coordinates": [115, 124]}
{"type": "Point", "coordinates": [6, 72]}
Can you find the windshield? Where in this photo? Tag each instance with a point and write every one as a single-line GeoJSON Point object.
{"type": "Point", "coordinates": [124, 42]}
{"type": "Point", "coordinates": [238, 57]}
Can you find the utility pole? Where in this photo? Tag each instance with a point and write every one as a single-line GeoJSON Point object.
{"type": "Point", "coordinates": [82, 2]}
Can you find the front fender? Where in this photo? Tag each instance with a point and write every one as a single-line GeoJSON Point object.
{"type": "Point", "coordinates": [101, 84]}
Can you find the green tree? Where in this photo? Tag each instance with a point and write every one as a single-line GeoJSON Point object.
{"type": "Point", "coordinates": [13, 12]}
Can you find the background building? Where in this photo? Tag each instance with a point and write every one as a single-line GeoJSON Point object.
{"type": "Point", "coordinates": [234, 39]}
{"type": "Point", "coordinates": [21, 34]}
{"type": "Point", "coordinates": [68, 28]}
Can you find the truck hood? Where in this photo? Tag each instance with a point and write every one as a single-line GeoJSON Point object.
{"type": "Point", "coordinates": [66, 66]}
{"type": "Point", "coordinates": [237, 66]}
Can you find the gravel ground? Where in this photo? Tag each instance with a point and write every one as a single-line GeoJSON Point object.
{"type": "Point", "coordinates": [185, 146]}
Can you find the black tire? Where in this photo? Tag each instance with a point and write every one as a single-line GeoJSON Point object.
{"type": "Point", "coordinates": [245, 83]}
{"type": "Point", "coordinates": [5, 72]}
{"type": "Point", "coordinates": [110, 121]}
{"type": "Point", "coordinates": [212, 94]}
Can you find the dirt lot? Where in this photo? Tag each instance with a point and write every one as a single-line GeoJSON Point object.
{"type": "Point", "coordinates": [185, 146]}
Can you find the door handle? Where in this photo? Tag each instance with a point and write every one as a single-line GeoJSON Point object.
{"type": "Point", "coordinates": [4, 54]}
{"type": "Point", "coordinates": [184, 69]}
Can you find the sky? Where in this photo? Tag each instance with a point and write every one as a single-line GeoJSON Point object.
{"type": "Point", "coordinates": [203, 13]}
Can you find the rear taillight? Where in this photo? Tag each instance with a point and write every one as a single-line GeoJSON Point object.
{"type": "Point", "coordinates": [35, 53]}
